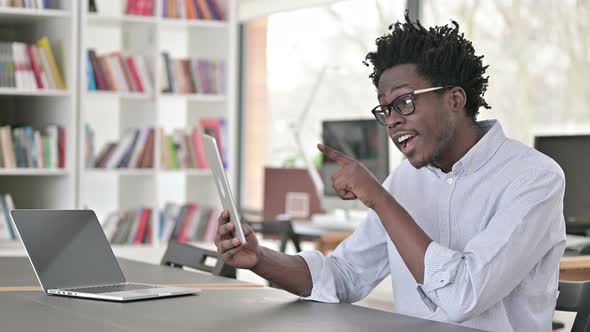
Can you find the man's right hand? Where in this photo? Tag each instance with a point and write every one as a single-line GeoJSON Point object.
{"type": "Point", "coordinates": [229, 247]}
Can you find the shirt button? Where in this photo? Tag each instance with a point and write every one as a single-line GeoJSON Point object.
{"type": "Point", "coordinates": [450, 180]}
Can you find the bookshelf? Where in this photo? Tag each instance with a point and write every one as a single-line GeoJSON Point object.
{"type": "Point", "coordinates": [112, 114]}
{"type": "Point", "coordinates": [39, 187]}
{"type": "Point", "coordinates": [25, 15]}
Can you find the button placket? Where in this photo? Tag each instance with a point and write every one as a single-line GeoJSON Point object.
{"type": "Point", "coordinates": [445, 227]}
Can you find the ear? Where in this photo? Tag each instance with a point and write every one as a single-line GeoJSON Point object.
{"type": "Point", "coordinates": [457, 99]}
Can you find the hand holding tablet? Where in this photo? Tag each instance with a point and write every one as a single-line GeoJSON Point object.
{"type": "Point", "coordinates": [222, 184]}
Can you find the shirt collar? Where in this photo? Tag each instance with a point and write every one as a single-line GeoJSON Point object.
{"type": "Point", "coordinates": [482, 151]}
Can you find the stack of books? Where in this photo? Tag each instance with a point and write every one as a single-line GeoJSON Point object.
{"type": "Point", "coordinates": [25, 147]}
{"type": "Point", "coordinates": [140, 7]}
{"type": "Point", "coordinates": [187, 76]}
{"type": "Point", "coordinates": [33, 4]}
{"type": "Point", "coordinates": [129, 227]}
{"type": "Point", "coordinates": [134, 150]}
{"type": "Point", "coordinates": [7, 229]}
{"type": "Point", "coordinates": [188, 222]}
{"type": "Point", "coordinates": [116, 72]}
{"type": "Point", "coordinates": [183, 149]}
{"type": "Point", "coordinates": [29, 67]}
{"type": "Point", "coordinates": [193, 9]}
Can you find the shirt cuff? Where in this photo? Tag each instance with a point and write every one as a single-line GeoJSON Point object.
{"type": "Point", "coordinates": [321, 284]}
{"type": "Point", "coordinates": [437, 272]}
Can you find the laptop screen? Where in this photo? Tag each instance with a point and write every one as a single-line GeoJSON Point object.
{"type": "Point", "coordinates": [67, 248]}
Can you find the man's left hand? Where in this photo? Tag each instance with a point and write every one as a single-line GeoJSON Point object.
{"type": "Point", "coordinates": [353, 180]}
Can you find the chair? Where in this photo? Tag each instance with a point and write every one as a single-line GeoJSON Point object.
{"type": "Point", "coordinates": [574, 296]}
{"type": "Point", "coordinates": [181, 254]}
{"type": "Point", "coordinates": [283, 229]}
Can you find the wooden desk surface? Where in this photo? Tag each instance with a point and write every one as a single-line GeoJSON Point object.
{"type": "Point", "coordinates": [574, 268]}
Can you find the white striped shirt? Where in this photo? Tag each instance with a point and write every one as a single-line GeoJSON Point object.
{"type": "Point", "coordinates": [496, 221]}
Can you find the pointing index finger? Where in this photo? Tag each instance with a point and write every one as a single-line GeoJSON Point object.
{"type": "Point", "coordinates": [334, 155]}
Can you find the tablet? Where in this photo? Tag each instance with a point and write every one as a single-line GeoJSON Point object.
{"type": "Point", "coordinates": [222, 184]}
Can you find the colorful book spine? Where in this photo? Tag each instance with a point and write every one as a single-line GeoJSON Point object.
{"type": "Point", "coordinates": [44, 44]}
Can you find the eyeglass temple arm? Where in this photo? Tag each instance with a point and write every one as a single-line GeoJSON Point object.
{"type": "Point", "coordinates": [429, 89]}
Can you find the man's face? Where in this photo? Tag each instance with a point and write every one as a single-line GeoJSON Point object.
{"type": "Point", "coordinates": [431, 128]}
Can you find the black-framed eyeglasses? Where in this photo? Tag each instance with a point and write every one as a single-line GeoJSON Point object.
{"type": "Point", "coordinates": [404, 104]}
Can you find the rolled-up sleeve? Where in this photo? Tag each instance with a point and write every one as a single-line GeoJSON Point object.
{"type": "Point", "coordinates": [357, 265]}
{"type": "Point", "coordinates": [526, 227]}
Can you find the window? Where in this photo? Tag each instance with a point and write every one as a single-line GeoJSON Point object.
{"type": "Point", "coordinates": [538, 54]}
{"type": "Point", "coordinates": [306, 59]}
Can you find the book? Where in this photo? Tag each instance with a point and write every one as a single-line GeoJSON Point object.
{"type": "Point", "coordinates": [92, 6]}
{"type": "Point", "coordinates": [35, 64]}
{"type": "Point", "coordinates": [6, 231]}
{"type": "Point", "coordinates": [90, 76]}
{"type": "Point", "coordinates": [214, 127]}
{"type": "Point", "coordinates": [44, 44]}
{"type": "Point", "coordinates": [7, 204]}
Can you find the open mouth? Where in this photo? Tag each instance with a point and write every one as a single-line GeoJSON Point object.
{"type": "Point", "coordinates": [406, 143]}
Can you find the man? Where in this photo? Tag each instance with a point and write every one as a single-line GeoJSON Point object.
{"type": "Point", "coordinates": [470, 226]}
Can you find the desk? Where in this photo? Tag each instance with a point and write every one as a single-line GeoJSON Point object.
{"type": "Point", "coordinates": [574, 268]}
{"type": "Point", "coordinates": [312, 229]}
{"type": "Point", "coordinates": [326, 236]}
{"type": "Point", "coordinates": [17, 272]}
{"type": "Point", "coordinates": [243, 309]}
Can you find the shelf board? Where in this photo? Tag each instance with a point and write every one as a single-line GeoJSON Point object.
{"type": "Point", "coordinates": [40, 93]}
{"type": "Point", "coordinates": [191, 171]}
{"type": "Point", "coordinates": [27, 15]}
{"type": "Point", "coordinates": [99, 19]}
{"type": "Point", "coordinates": [194, 97]}
{"type": "Point", "coordinates": [184, 23]}
{"type": "Point", "coordinates": [118, 94]}
{"type": "Point", "coordinates": [121, 171]}
{"type": "Point", "coordinates": [33, 172]}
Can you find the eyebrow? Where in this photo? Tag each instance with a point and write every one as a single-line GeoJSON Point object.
{"type": "Point", "coordinates": [393, 88]}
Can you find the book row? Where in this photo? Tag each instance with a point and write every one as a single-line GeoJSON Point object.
{"type": "Point", "coordinates": [116, 72]}
{"type": "Point", "coordinates": [188, 222]}
{"type": "Point", "coordinates": [182, 149]}
{"type": "Point", "coordinates": [182, 9]}
{"type": "Point", "coordinates": [32, 4]}
{"type": "Point", "coordinates": [25, 147]}
{"type": "Point", "coordinates": [192, 9]}
{"type": "Point", "coordinates": [186, 76]}
{"type": "Point", "coordinates": [29, 66]}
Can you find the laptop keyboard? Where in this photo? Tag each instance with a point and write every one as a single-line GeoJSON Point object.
{"type": "Point", "coordinates": [111, 288]}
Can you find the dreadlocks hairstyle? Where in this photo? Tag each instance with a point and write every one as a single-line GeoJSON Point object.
{"type": "Point", "coordinates": [441, 54]}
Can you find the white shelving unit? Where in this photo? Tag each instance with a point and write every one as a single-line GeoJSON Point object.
{"type": "Point", "coordinates": [110, 114]}
{"type": "Point", "coordinates": [43, 188]}
{"type": "Point", "coordinates": [25, 15]}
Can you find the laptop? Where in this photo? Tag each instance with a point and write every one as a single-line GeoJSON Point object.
{"type": "Point", "coordinates": [71, 256]}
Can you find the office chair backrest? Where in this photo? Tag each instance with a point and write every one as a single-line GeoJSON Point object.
{"type": "Point", "coordinates": [574, 296]}
{"type": "Point", "coordinates": [185, 255]}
